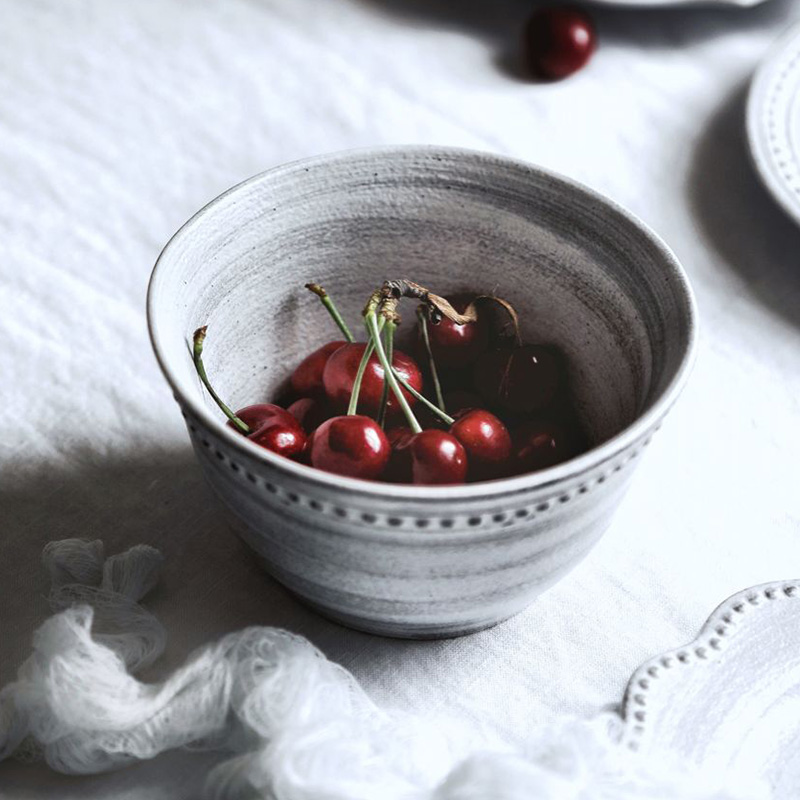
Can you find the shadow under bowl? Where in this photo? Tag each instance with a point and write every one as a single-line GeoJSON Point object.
{"type": "Point", "coordinates": [584, 275]}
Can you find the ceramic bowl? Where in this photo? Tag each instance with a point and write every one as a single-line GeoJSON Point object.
{"type": "Point", "coordinates": [583, 273]}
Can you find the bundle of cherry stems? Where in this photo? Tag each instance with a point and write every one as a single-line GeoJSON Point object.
{"type": "Point", "coordinates": [379, 314]}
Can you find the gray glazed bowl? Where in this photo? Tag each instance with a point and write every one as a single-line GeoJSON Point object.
{"type": "Point", "coordinates": [583, 273]}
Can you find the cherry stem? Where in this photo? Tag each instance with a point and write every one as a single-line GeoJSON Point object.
{"type": "Point", "coordinates": [373, 329]}
{"type": "Point", "coordinates": [330, 307]}
{"type": "Point", "coordinates": [422, 314]}
{"type": "Point", "coordinates": [390, 329]}
{"type": "Point", "coordinates": [443, 415]}
{"type": "Point", "coordinates": [197, 354]}
{"type": "Point", "coordinates": [362, 368]}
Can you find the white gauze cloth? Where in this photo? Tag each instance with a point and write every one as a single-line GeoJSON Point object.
{"type": "Point", "coordinates": [298, 726]}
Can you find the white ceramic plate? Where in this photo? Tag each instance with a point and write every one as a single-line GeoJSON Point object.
{"type": "Point", "coordinates": [730, 700]}
{"type": "Point", "coordinates": [773, 122]}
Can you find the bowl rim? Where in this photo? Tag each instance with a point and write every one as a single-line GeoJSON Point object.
{"type": "Point", "coordinates": [409, 492]}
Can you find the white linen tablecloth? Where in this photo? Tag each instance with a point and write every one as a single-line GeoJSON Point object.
{"type": "Point", "coordinates": [119, 119]}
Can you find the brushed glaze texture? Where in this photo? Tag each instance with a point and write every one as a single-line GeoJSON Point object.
{"type": "Point", "coordinates": [584, 275]}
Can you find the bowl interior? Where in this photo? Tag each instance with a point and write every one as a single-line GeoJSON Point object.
{"type": "Point", "coordinates": [582, 274]}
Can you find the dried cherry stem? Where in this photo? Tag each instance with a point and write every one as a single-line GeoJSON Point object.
{"type": "Point", "coordinates": [422, 315]}
{"type": "Point", "coordinates": [330, 307]}
{"type": "Point", "coordinates": [197, 354]}
{"type": "Point", "coordinates": [374, 330]}
{"type": "Point", "coordinates": [391, 325]}
{"type": "Point", "coordinates": [392, 291]}
{"type": "Point", "coordinates": [508, 308]}
{"type": "Point", "coordinates": [443, 415]}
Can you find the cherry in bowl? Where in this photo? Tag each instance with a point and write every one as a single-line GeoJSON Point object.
{"type": "Point", "coordinates": [340, 373]}
{"type": "Point", "coordinates": [431, 457]}
{"type": "Point", "coordinates": [454, 346]}
{"type": "Point", "coordinates": [522, 379]}
{"type": "Point", "coordinates": [352, 445]}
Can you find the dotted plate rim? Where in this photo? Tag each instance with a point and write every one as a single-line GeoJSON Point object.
{"type": "Point", "coordinates": [700, 653]}
{"type": "Point", "coordinates": [774, 92]}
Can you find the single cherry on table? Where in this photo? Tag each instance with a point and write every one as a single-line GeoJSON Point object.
{"type": "Point", "coordinates": [559, 41]}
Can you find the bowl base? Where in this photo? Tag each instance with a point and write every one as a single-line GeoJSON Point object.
{"type": "Point", "coordinates": [389, 629]}
{"type": "Point", "coordinates": [398, 630]}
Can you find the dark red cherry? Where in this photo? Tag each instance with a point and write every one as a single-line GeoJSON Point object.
{"type": "Point", "coordinates": [286, 440]}
{"type": "Point", "coordinates": [398, 470]}
{"type": "Point", "coordinates": [426, 417]}
{"type": "Point", "coordinates": [437, 457]}
{"type": "Point", "coordinates": [452, 380]}
{"type": "Point", "coordinates": [273, 428]}
{"type": "Point", "coordinates": [306, 380]}
{"type": "Point", "coordinates": [340, 372]}
{"type": "Point", "coordinates": [305, 456]}
{"type": "Point", "coordinates": [256, 415]}
{"type": "Point", "coordinates": [542, 443]}
{"type": "Point", "coordinates": [310, 412]}
{"type": "Point", "coordinates": [398, 434]}
{"type": "Point", "coordinates": [352, 445]}
{"type": "Point", "coordinates": [456, 346]}
{"type": "Point", "coordinates": [522, 380]}
{"type": "Point", "coordinates": [487, 443]}
{"type": "Point", "coordinates": [460, 400]}
{"type": "Point", "coordinates": [432, 457]}
{"type": "Point", "coordinates": [559, 41]}
{"type": "Point", "coordinates": [267, 425]}
{"type": "Point", "coordinates": [456, 402]}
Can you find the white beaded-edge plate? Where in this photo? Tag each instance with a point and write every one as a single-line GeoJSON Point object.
{"type": "Point", "coordinates": [730, 700]}
{"type": "Point", "coordinates": [773, 122]}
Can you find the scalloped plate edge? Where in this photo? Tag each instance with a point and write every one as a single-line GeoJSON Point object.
{"type": "Point", "coordinates": [703, 651]}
